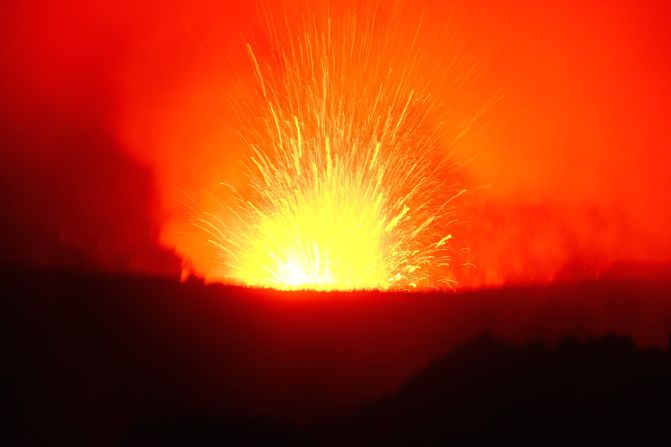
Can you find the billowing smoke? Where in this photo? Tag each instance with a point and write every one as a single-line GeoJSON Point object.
{"type": "Point", "coordinates": [117, 124]}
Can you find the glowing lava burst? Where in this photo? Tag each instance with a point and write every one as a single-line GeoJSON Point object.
{"type": "Point", "coordinates": [349, 182]}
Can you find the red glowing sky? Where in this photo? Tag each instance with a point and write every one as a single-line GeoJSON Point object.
{"type": "Point", "coordinates": [113, 111]}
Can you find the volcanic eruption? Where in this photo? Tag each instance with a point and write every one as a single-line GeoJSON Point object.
{"type": "Point", "coordinates": [515, 151]}
{"type": "Point", "coordinates": [349, 182]}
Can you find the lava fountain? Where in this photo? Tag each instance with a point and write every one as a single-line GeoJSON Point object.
{"type": "Point", "coordinates": [348, 180]}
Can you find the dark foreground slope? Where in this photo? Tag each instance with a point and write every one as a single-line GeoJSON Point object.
{"type": "Point", "coordinates": [602, 391]}
{"type": "Point", "coordinates": [108, 360]}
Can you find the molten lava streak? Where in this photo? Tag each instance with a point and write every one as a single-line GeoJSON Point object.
{"type": "Point", "coordinates": [349, 184]}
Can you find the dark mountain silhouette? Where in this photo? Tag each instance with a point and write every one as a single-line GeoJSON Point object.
{"type": "Point", "coordinates": [488, 392]}
{"type": "Point", "coordinates": [94, 359]}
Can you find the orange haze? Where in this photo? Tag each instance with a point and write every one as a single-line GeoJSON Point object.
{"type": "Point", "coordinates": [117, 123]}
